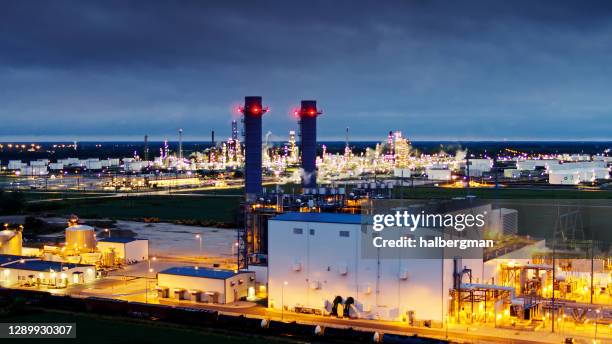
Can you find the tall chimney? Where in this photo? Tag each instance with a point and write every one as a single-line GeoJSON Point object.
{"type": "Point", "coordinates": [146, 148]}
{"type": "Point", "coordinates": [253, 112]}
{"type": "Point", "coordinates": [308, 144]}
{"type": "Point", "coordinates": [234, 130]}
{"type": "Point", "coordinates": [181, 145]}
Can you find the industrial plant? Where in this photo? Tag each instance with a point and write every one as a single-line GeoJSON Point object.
{"type": "Point", "coordinates": [301, 252]}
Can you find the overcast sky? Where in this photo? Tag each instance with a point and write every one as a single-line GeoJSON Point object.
{"type": "Point", "coordinates": [452, 70]}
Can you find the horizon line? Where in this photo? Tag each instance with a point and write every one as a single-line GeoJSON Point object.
{"type": "Point", "coordinates": [22, 140]}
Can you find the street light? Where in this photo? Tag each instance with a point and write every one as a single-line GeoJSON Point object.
{"type": "Point", "coordinates": [450, 300]}
{"type": "Point", "coordinates": [283, 299]}
{"type": "Point", "coordinates": [149, 262]}
{"type": "Point", "coordinates": [596, 317]}
{"type": "Point", "coordinates": [107, 232]}
{"type": "Point", "coordinates": [199, 237]}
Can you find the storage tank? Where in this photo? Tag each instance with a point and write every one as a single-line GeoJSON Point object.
{"type": "Point", "coordinates": [80, 237]}
{"type": "Point", "coordinates": [10, 242]}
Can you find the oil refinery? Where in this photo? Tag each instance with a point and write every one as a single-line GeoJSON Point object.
{"type": "Point", "coordinates": [301, 253]}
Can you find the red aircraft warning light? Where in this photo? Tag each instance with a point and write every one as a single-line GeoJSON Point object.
{"type": "Point", "coordinates": [252, 110]}
{"type": "Point", "coordinates": [308, 109]}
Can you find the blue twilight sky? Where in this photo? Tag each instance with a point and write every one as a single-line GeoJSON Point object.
{"type": "Point", "coordinates": [433, 69]}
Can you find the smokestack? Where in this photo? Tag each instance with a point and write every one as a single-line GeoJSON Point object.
{"type": "Point", "coordinates": [308, 128]}
{"type": "Point", "coordinates": [212, 138]}
{"type": "Point", "coordinates": [346, 141]}
{"type": "Point", "coordinates": [181, 145]}
{"type": "Point", "coordinates": [146, 148]}
{"type": "Point", "coordinates": [234, 131]}
{"type": "Point", "coordinates": [253, 112]}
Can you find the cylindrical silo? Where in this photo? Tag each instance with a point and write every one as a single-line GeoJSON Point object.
{"type": "Point", "coordinates": [10, 242]}
{"type": "Point", "coordinates": [80, 238]}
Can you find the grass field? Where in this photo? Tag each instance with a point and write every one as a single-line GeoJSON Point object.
{"type": "Point", "coordinates": [164, 208]}
{"type": "Point", "coordinates": [505, 193]}
{"type": "Point", "coordinates": [94, 329]}
{"type": "Point", "coordinates": [220, 208]}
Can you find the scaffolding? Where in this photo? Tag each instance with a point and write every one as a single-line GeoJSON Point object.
{"type": "Point", "coordinates": [479, 303]}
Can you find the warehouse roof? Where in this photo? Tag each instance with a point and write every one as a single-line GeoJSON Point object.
{"type": "Point", "coordinates": [42, 265]}
{"type": "Point", "coordinates": [320, 217]}
{"type": "Point", "coordinates": [200, 272]}
{"type": "Point", "coordinates": [119, 240]}
{"type": "Point", "coordinates": [7, 258]}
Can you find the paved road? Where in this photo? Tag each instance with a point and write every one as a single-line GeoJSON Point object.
{"type": "Point", "coordinates": [136, 194]}
{"type": "Point", "coordinates": [133, 288]}
{"type": "Point", "coordinates": [459, 333]}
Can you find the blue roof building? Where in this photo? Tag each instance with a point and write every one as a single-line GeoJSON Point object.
{"type": "Point", "coordinates": [200, 284]}
{"type": "Point", "coordinates": [320, 217]}
{"type": "Point", "coordinates": [200, 272]}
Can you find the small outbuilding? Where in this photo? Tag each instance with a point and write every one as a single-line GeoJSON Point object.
{"type": "Point", "coordinates": [205, 285]}
{"type": "Point", "coordinates": [126, 250]}
{"type": "Point", "coordinates": [32, 272]}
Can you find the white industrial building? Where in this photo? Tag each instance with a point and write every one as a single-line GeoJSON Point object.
{"type": "Point", "coordinates": [199, 284]}
{"type": "Point", "coordinates": [315, 257]}
{"type": "Point", "coordinates": [564, 177]}
{"type": "Point", "coordinates": [125, 250]}
{"type": "Point", "coordinates": [33, 171]}
{"type": "Point", "coordinates": [402, 172]}
{"type": "Point", "coordinates": [93, 164]}
{"type": "Point", "coordinates": [577, 172]}
{"type": "Point", "coordinates": [438, 173]}
{"type": "Point", "coordinates": [512, 173]}
{"type": "Point", "coordinates": [133, 166]}
{"type": "Point", "coordinates": [578, 165]}
{"type": "Point", "coordinates": [532, 164]}
{"type": "Point", "coordinates": [478, 166]}
{"type": "Point", "coordinates": [26, 271]}
{"type": "Point", "coordinates": [15, 164]}
{"type": "Point", "coordinates": [577, 157]}
{"type": "Point", "coordinates": [56, 166]}
{"type": "Point", "coordinates": [67, 161]}
{"type": "Point", "coordinates": [606, 159]}
{"type": "Point", "coordinates": [39, 163]}
{"type": "Point", "coordinates": [503, 221]}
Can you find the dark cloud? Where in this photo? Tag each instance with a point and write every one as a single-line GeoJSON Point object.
{"type": "Point", "coordinates": [456, 70]}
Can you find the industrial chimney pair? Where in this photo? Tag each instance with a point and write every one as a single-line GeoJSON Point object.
{"type": "Point", "coordinates": [253, 112]}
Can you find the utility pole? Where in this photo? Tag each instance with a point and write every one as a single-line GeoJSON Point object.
{"type": "Point", "coordinates": [592, 268]}
{"type": "Point", "coordinates": [553, 288]}
{"type": "Point", "coordinates": [467, 167]}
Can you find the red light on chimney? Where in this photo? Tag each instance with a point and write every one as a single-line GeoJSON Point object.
{"type": "Point", "coordinates": [255, 110]}
{"type": "Point", "coordinates": [312, 112]}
